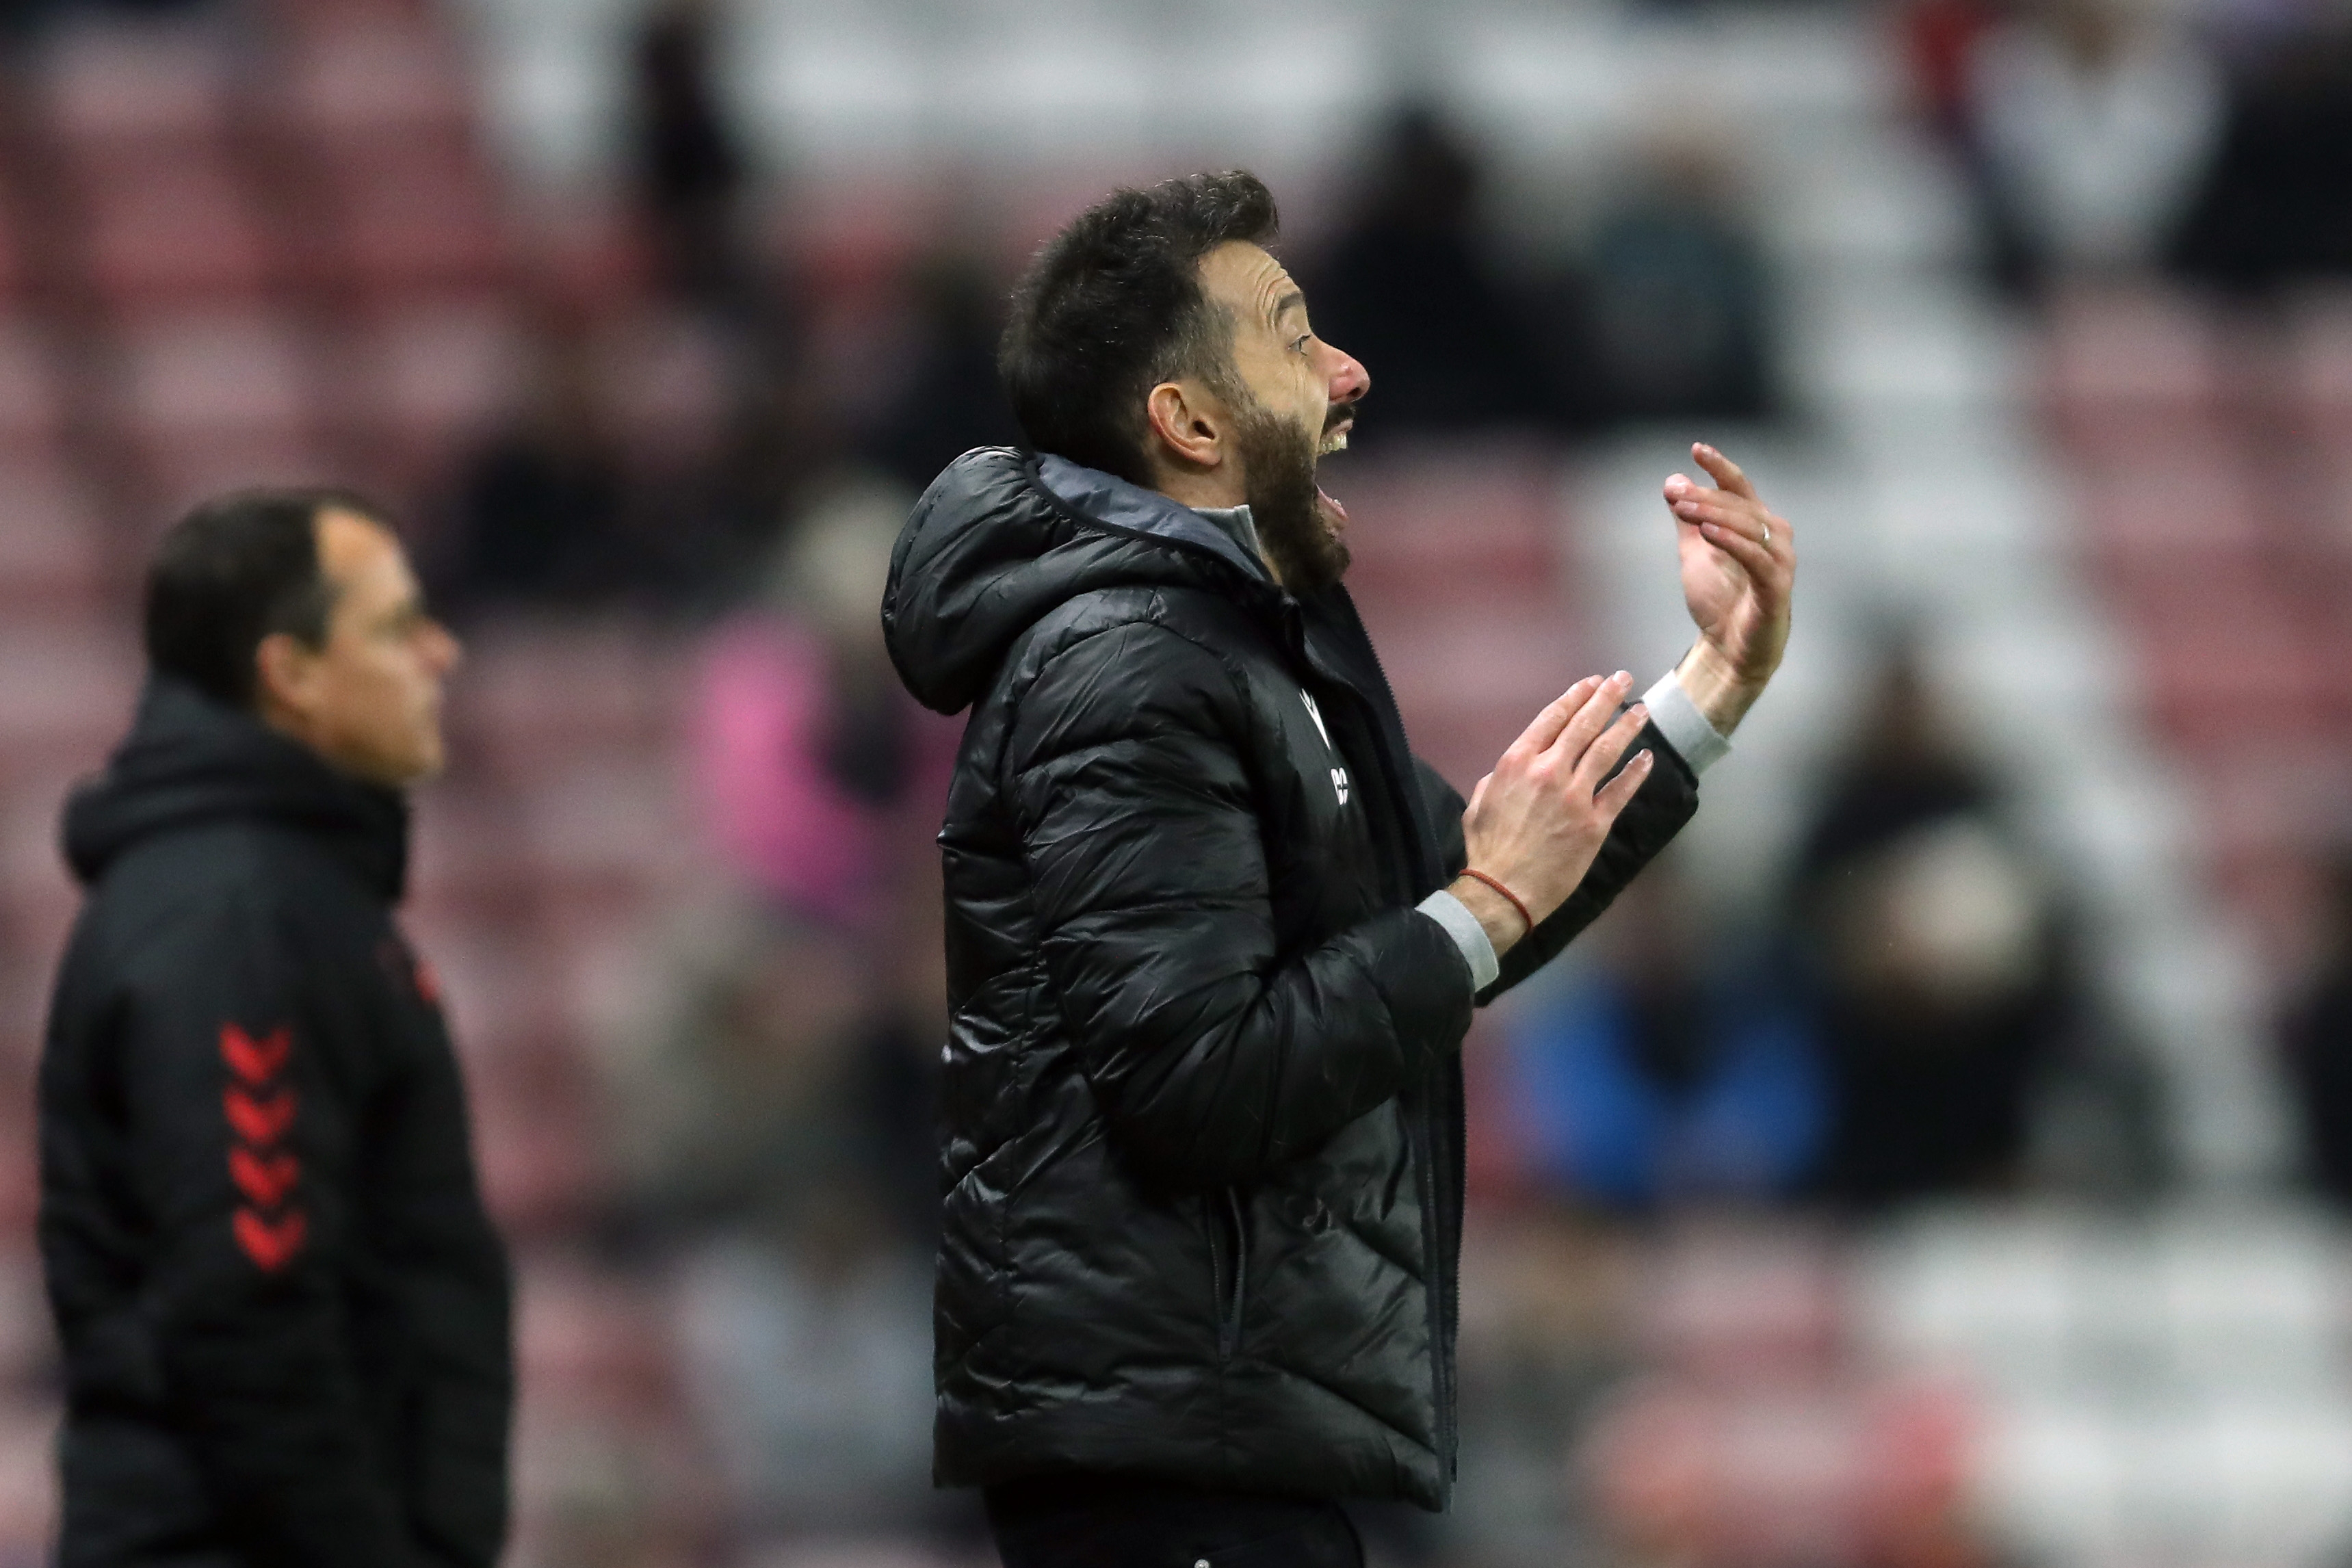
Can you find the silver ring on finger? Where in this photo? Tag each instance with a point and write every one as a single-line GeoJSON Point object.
{"type": "Point", "coordinates": [1768, 536]}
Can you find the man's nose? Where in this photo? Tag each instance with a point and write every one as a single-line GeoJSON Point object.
{"type": "Point", "coordinates": [1345, 376]}
{"type": "Point", "coordinates": [443, 650]}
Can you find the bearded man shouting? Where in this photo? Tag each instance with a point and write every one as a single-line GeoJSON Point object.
{"type": "Point", "coordinates": [1213, 933]}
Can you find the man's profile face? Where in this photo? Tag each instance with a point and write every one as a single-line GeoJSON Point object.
{"type": "Point", "coordinates": [369, 698]}
{"type": "Point", "coordinates": [1302, 395]}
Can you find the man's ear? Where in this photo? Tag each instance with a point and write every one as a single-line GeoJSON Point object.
{"type": "Point", "coordinates": [1187, 425]}
{"type": "Point", "coordinates": [281, 672]}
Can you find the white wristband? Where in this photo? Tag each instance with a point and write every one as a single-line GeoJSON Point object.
{"type": "Point", "coordinates": [1477, 948]}
{"type": "Point", "coordinates": [1684, 726]}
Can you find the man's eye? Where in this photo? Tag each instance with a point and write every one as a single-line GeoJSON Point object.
{"type": "Point", "coordinates": [1300, 346]}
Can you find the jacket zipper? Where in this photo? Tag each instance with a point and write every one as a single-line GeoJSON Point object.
{"type": "Point", "coordinates": [1442, 1228]}
{"type": "Point", "coordinates": [1229, 1302]}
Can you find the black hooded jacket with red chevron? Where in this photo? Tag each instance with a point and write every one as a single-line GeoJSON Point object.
{"type": "Point", "coordinates": [283, 1310]}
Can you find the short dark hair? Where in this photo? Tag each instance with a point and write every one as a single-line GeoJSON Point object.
{"type": "Point", "coordinates": [234, 571]}
{"type": "Point", "coordinates": [1113, 306]}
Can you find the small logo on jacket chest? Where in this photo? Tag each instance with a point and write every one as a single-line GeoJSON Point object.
{"type": "Point", "coordinates": [1338, 775]}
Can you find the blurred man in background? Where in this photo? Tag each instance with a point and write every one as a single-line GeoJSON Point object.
{"type": "Point", "coordinates": [283, 1310]}
{"type": "Point", "coordinates": [1214, 935]}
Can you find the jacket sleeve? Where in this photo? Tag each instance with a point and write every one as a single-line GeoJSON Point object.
{"type": "Point", "coordinates": [228, 1114]}
{"type": "Point", "coordinates": [1667, 799]}
{"type": "Point", "coordinates": [1214, 1057]}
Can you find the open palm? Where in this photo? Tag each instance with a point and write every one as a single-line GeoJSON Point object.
{"type": "Point", "coordinates": [1738, 569]}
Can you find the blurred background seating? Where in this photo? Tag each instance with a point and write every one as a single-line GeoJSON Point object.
{"type": "Point", "coordinates": [1941, 1162]}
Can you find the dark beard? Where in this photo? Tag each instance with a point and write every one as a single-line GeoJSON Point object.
{"type": "Point", "coordinates": [1278, 471]}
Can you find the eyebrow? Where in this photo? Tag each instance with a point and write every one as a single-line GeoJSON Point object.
{"type": "Point", "coordinates": [1287, 301]}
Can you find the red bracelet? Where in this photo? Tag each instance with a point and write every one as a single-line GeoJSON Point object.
{"type": "Point", "coordinates": [1512, 897]}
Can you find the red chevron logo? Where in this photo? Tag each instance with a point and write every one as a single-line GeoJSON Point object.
{"type": "Point", "coordinates": [270, 1244]}
{"type": "Point", "coordinates": [255, 1062]}
{"type": "Point", "coordinates": [264, 1178]}
{"type": "Point", "coordinates": [259, 1122]}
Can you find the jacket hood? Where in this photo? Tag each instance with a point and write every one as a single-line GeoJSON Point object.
{"type": "Point", "coordinates": [1003, 537]}
{"type": "Point", "coordinates": [190, 761]}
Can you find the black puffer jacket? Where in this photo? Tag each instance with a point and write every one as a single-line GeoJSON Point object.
{"type": "Point", "coordinates": [1202, 1121]}
{"type": "Point", "coordinates": [284, 1313]}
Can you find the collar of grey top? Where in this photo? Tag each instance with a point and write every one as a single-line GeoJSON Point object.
{"type": "Point", "coordinates": [1228, 533]}
{"type": "Point", "coordinates": [1236, 521]}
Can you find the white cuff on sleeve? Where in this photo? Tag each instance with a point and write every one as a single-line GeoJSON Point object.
{"type": "Point", "coordinates": [1477, 950]}
{"type": "Point", "coordinates": [1684, 726]}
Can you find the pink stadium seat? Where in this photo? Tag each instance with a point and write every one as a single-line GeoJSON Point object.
{"type": "Point", "coordinates": [1477, 525]}
{"type": "Point", "coordinates": [412, 215]}
{"type": "Point", "coordinates": [587, 1337]}
{"type": "Point", "coordinates": [2210, 685]}
{"type": "Point", "coordinates": [1739, 1303]}
{"type": "Point", "coordinates": [609, 836]}
{"type": "Point", "coordinates": [592, 255]}
{"type": "Point", "coordinates": [424, 383]}
{"type": "Point", "coordinates": [1848, 1473]}
{"type": "Point", "coordinates": [663, 378]}
{"type": "Point", "coordinates": [116, 87]}
{"type": "Point", "coordinates": [28, 1501]}
{"type": "Point", "coordinates": [535, 1140]}
{"type": "Point", "coordinates": [313, 18]}
{"type": "Point", "coordinates": [67, 698]}
{"type": "Point", "coordinates": [38, 898]}
{"type": "Point", "coordinates": [2321, 369]}
{"type": "Point", "coordinates": [494, 982]}
{"type": "Point", "coordinates": [1467, 685]}
{"type": "Point", "coordinates": [14, 280]}
{"type": "Point", "coordinates": [52, 541]}
{"type": "Point", "coordinates": [373, 77]}
{"type": "Point", "coordinates": [2191, 499]}
{"type": "Point", "coordinates": [215, 402]}
{"type": "Point", "coordinates": [32, 400]}
{"type": "Point", "coordinates": [181, 471]}
{"type": "Point", "coordinates": [2134, 367]}
{"type": "Point", "coordinates": [536, 700]}
{"type": "Point", "coordinates": [465, 856]}
{"type": "Point", "coordinates": [171, 227]}
{"type": "Point", "coordinates": [216, 375]}
{"type": "Point", "coordinates": [27, 1344]}
{"type": "Point", "coordinates": [19, 1174]}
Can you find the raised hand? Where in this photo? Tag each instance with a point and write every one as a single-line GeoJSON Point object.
{"type": "Point", "coordinates": [1535, 824]}
{"type": "Point", "coordinates": [1738, 569]}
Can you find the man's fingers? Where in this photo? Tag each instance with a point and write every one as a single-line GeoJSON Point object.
{"type": "Point", "coordinates": [1701, 506]}
{"type": "Point", "coordinates": [1613, 796]}
{"type": "Point", "coordinates": [1761, 562]}
{"type": "Point", "coordinates": [1576, 736]}
{"type": "Point", "coordinates": [1537, 737]}
{"type": "Point", "coordinates": [1724, 471]}
{"type": "Point", "coordinates": [1606, 748]}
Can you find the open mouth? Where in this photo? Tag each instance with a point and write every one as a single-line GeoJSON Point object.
{"type": "Point", "coordinates": [1335, 440]}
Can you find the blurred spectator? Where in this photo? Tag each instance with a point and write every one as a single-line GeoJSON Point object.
{"type": "Point", "coordinates": [22, 16]}
{"type": "Point", "coordinates": [812, 1368]}
{"type": "Point", "coordinates": [1941, 37]}
{"type": "Point", "coordinates": [951, 400]}
{"type": "Point", "coordinates": [776, 1132]}
{"type": "Point", "coordinates": [2277, 204]}
{"type": "Point", "coordinates": [2093, 120]}
{"type": "Point", "coordinates": [1649, 1080]}
{"type": "Point", "coordinates": [1455, 358]}
{"type": "Point", "coordinates": [1678, 305]}
{"type": "Point", "coordinates": [690, 171]}
{"type": "Point", "coordinates": [2316, 1036]}
{"type": "Point", "coordinates": [1935, 946]}
{"type": "Point", "coordinates": [817, 769]}
{"type": "Point", "coordinates": [542, 509]}
{"type": "Point", "coordinates": [740, 1102]}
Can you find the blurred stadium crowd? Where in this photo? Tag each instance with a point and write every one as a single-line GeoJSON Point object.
{"type": "Point", "coordinates": [1935, 1165]}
